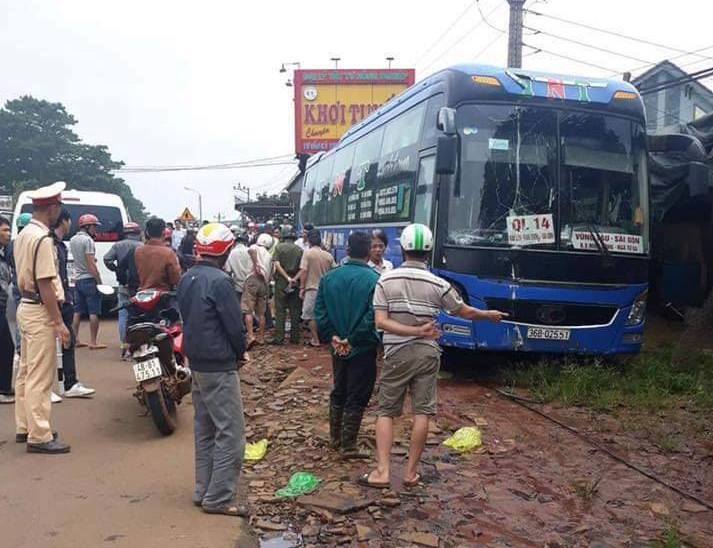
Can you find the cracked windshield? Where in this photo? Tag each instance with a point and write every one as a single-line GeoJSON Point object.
{"type": "Point", "coordinates": [527, 173]}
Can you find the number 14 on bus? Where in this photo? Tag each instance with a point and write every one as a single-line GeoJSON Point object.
{"type": "Point", "coordinates": [530, 229]}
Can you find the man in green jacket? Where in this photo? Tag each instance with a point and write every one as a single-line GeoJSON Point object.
{"type": "Point", "coordinates": [345, 317]}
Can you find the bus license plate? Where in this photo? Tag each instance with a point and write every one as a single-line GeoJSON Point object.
{"type": "Point", "coordinates": [149, 369]}
{"type": "Point", "coordinates": [548, 334]}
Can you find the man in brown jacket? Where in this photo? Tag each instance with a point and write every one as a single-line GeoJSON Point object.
{"type": "Point", "coordinates": [157, 264]}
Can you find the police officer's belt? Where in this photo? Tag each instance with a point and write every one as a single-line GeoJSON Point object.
{"type": "Point", "coordinates": [30, 297]}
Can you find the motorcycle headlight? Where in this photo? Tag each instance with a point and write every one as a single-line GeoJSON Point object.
{"type": "Point", "coordinates": [638, 310]}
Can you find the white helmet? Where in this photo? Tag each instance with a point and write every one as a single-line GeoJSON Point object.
{"type": "Point", "coordinates": [417, 237]}
{"type": "Point", "coordinates": [264, 240]}
{"type": "Point", "coordinates": [214, 239]}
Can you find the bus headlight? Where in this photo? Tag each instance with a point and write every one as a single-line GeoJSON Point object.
{"type": "Point", "coordinates": [638, 310]}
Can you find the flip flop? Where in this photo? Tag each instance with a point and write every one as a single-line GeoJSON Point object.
{"type": "Point", "coordinates": [228, 510]}
{"type": "Point", "coordinates": [80, 345]}
{"type": "Point", "coordinates": [413, 483]}
{"type": "Point", "coordinates": [97, 346]}
{"type": "Point", "coordinates": [363, 480]}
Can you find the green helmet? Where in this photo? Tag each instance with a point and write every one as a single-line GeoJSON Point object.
{"type": "Point", "coordinates": [417, 237]}
{"type": "Point", "coordinates": [23, 219]}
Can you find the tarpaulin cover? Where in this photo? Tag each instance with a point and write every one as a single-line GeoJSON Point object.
{"type": "Point", "coordinates": [672, 179]}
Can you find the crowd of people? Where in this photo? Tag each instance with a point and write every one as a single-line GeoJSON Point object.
{"type": "Point", "coordinates": [231, 283]}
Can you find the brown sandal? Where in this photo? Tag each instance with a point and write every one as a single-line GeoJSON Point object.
{"type": "Point", "coordinates": [414, 482]}
{"type": "Point", "coordinates": [364, 482]}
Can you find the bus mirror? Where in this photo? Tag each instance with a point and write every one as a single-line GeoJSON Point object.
{"type": "Point", "coordinates": [446, 155]}
{"type": "Point", "coordinates": [447, 120]}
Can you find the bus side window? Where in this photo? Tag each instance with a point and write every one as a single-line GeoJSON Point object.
{"type": "Point", "coordinates": [430, 131]}
{"type": "Point", "coordinates": [339, 184]}
{"type": "Point", "coordinates": [403, 131]}
{"type": "Point", "coordinates": [307, 196]}
{"type": "Point", "coordinates": [366, 159]}
{"type": "Point", "coordinates": [424, 191]}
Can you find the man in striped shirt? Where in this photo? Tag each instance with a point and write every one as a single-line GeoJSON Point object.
{"type": "Point", "coordinates": [407, 301]}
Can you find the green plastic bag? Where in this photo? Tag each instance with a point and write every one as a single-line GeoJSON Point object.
{"type": "Point", "coordinates": [301, 483]}
{"type": "Point", "coordinates": [255, 452]}
{"type": "Point", "coordinates": [465, 439]}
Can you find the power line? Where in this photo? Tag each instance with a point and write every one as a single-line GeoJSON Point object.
{"type": "Point", "coordinates": [676, 57]}
{"type": "Point", "coordinates": [484, 18]}
{"type": "Point", "coordinates": [693, 77]}
{"type": "Point", "coordinates": [444, 33]}
{"type": "Point", "coordinates": [202, 168]}
{"type": "Point", "coordinates": [574, 60]}
{"type": "Point", "coordinates": [584, 44]}
{"type": "Point", "coordinates": [488, 46]}
{"type": "Point", "coordinates": [459, 40]}
{"type": "Point", "coordinates": [613, 33]}
{"type": "Point", "coordinates": [230, 164]}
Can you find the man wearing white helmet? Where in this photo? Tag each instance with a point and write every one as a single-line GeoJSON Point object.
{"type": "Point", "coordinates": [214, 344]}
{"type": "Point", "coordinates": [407, 301]}
{"type": "Point", "coordinates": [255, 293]}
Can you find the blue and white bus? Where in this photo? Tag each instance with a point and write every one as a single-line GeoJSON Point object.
{"type": "Point", "coordinates": [535, 186]}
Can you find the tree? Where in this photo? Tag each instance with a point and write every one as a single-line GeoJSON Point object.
{"type": "Point", "coordinates": [39, 147]}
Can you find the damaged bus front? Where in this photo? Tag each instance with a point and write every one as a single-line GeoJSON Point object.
{"type": "Point", "coordinates": [545, 213]}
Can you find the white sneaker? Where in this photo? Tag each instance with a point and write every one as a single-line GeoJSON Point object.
{"type": "Point", "coordinates": [78, 390]}
{"type": "Point", "coordinates": [56, 398]}
{"type": "Point", "coordinates": [7, 398]}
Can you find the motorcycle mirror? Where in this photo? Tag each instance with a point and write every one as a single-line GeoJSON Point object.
{"type": "Point", "coordinates": [105, 289]}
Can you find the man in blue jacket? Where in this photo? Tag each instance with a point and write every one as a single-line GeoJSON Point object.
{"type": "Point", "coordinates": [345, 318]}
{"type": "Point", "coordinates": [214, 344]}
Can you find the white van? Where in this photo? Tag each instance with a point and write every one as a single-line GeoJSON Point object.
{"type": "Point", "coordinates": [110, 210]}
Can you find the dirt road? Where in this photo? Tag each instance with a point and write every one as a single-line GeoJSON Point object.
{"type": "Point", "coordinates": [122, 484]}
{"type": "Point", "coordinates": [531, 484]}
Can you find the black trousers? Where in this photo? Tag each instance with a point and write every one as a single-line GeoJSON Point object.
{"type": "Point", "coordinates": [353, 381]}
{"type": "Point", "coordinates": [69, 364]}
{"type": "Point", "coordinates": [7, 353]}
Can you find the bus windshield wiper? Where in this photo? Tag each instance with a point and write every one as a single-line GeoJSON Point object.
{"type": "Point", "coordinates": [597, 237]}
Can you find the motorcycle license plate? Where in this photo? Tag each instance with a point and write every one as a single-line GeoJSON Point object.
{"type": "Point", "coordinates": [148, 369]}
{"type": "Point", "coordinates": [548, 334]}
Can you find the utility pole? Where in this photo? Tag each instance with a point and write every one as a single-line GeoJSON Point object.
{"type": "Point", "coordinates": [515, 34]}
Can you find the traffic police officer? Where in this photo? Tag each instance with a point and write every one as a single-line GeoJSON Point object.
{"type": "Point", "coordinates": [40, 323]}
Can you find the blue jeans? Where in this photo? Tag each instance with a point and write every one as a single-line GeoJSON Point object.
{"type": "Point", "coordinates": [89, 300]}
{"type": "Point", "coordinates": [123, 315]}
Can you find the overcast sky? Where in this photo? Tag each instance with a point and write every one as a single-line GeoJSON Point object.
{"type": "Point", "coordinates": [172, 82]}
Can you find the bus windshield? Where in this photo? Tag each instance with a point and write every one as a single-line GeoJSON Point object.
{"type": "Point", "coordinates": [549, 179]}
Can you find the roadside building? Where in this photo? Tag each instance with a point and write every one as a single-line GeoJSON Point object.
{"type": "Point", "coordinates": [680, 104]}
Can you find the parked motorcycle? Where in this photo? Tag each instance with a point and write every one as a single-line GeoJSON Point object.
{"type": "Point", "coordinates": [155, 338]}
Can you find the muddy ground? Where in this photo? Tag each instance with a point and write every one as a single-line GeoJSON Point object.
{"type": "Point", "coordinates": [531, 484]}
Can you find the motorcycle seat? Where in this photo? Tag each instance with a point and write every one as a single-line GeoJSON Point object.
{"type": "Point", "coordinates": [142, 333]}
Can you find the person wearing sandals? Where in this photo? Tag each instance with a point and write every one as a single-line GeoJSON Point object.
{"type": "Point", "coordinates": [316, 262]}
{"type": "Point", "coordinates": [214, 345]}
{"type": "Point", "coordinates": [254, 301]}
{"type": "Point", "coordinates": [407, 301]}
{"type": "Point", "coordinates": [345, 318]}
{"type": "Point", "coordinates": [88, 300]}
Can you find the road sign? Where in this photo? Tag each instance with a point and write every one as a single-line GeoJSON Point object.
{"type": "Point", "coordinates": [187, 216]}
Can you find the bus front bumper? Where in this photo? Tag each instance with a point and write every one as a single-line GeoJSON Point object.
{"type": "Point", "coordinates": [615, 338]}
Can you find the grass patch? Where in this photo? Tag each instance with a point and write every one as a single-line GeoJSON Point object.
{"type": "Point", "coordinates": [650, 381]}
{"type": "Point", "coordinates": [670, 538]}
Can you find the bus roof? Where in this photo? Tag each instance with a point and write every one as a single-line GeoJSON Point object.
{"type": "Point", "coordinates": [473, 82]}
